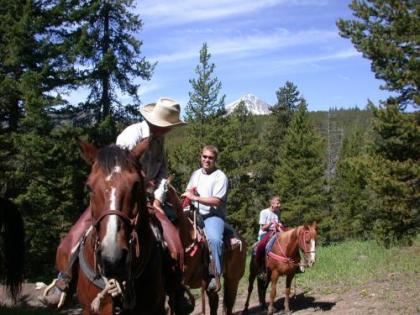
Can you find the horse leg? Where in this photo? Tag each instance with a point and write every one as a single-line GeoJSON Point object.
{"type": "Point", "coordinates": [203, 299]}
{"type": "Point", "coordinates": [213, 302]}
{"type": "Point", "coordinates": [274, 278]}
{"type": "Point", "coordinates": [251, 280]}
{"type": "Point", "coordinates": [229, 294]}
{"type": "Point", "coordinates": [289, 279]}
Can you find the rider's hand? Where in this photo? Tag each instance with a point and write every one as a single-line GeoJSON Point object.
{"type": "Point", "coordinates": [190, 195]}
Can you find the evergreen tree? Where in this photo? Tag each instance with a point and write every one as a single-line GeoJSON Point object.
{"type": "Point", "coordinates": [203, 114]}
{"type": "Point", "coordinates": [386, 32]}
{"type": "Point", "coordinates": [238, 158]}
{"type": "Point", "coordinates": [351, 198]}
{"type": "Point", "coordinates": [299, 175]}
{"type": "Point", "coordinates": [396, 173]}
{"type": "Point", "coordinates": [288, 100]}
{"type": "Point", "coordinates": [205, 102]}
{"type": "Point", "coordinates": [109, 61]}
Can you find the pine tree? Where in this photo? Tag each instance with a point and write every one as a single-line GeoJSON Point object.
{"type": "Point", "coordinates": [351, 198]}
{"type": "Point", "coordinates": [204, 116]}
{"type": "Point", "coordinates": [299, 176]}
{"type": "Point", "coordinates": [386, 32]}
{"type": "Point", "coordinates": [238, 158]}
{"type": "Point", "coordinates": [109, 59]}
{"type": "Point", "coordinates": [204, 103]}
{"type": "Point", "coordinates": [39, 165]}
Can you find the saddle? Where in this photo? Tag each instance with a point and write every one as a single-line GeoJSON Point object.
{"type": "Point", "coordinates": [231, 239]}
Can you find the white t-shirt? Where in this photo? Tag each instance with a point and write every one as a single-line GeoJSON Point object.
{"type": "Point", "coordinates": [266, 216]}
{"type": "Point", "coordinates": [153, 161]}
{"type": "Point", "coordinates": [210, 185]}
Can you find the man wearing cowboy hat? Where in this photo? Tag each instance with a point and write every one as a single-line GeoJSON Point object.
{"type": "Point", "coordinates": [159, 119]}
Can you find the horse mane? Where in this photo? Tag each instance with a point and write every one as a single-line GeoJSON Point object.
{"type": "Point", "coordinates": [113, 155]}
{"type": "Point", "coordinates": [13, 247]}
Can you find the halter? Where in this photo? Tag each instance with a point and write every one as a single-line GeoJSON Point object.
{"type": "Point", "coordinates": [130, 222]}
{"type": "Point", "coordinates": [302, 238]}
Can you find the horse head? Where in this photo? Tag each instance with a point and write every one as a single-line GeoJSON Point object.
{"type": "Point", "coordinates": [307, 239]}
{"type": "Point", "coordinates": [117, 203]}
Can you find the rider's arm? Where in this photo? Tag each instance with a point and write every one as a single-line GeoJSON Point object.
{"type": "Point", "coordinates": [266, 227]}
{"type": "Point", "coordinates": [208, 201]}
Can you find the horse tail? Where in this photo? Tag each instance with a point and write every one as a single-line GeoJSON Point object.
{"type": "Point", "coordinates": [13, 234]}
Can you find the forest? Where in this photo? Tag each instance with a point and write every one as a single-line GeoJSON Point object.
{"type": "Point", "coordinates": [353, 171]}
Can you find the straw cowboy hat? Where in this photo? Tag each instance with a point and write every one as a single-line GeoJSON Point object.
{"type": "Point", "coordinates": [164, 113]}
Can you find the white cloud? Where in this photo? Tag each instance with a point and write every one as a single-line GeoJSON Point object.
{"type": "Point", "coordinates": [148, 87]}
{"type": "Point", "coordinates": [174, 12]}
{"type": "Point", "coordinates": [247, 44]}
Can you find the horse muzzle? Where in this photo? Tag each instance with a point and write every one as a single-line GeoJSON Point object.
{"type": "Point", "coordinates": [113, 264]}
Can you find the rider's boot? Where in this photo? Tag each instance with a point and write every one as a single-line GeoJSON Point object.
{"type": "Point", "coordinates": [214, 284]}
{"type": "Point", "coordinates": [55, 294]}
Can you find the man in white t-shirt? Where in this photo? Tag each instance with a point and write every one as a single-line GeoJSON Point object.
{"type": "Point", "coordinates": [211, 185]}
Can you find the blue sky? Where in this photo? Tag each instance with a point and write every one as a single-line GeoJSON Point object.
{"type": "Point", "coordinates": [257, 46]}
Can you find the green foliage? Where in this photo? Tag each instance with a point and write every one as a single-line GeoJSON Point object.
{"type": "Point", "coordinates": [104, 39]}
{"type": "Point", "coordinates": [351, 198]}
{"type": "Point", "coordinates": [386, 32]}
{"type": "Point", "coordinates": [203, 114]}
{"type": "Point", "coordinates": [299, 175]}
{"type": "Point", "coordinates": [288, 100]}
{"type": "Point", "coordinates": [396, 173]}
{"type": "Point", "coordinates": [239, 157]}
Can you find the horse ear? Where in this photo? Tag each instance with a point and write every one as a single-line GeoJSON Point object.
{"type": "Point", "coordinates": [89, 152]}
{"type": "Point", "coordinates": [314, 225]}
{"type": "Point", "coordinates": [140, 148]}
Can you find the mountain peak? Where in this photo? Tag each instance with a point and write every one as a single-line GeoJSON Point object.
{"type": "Point", "coordinates": [254, 105]}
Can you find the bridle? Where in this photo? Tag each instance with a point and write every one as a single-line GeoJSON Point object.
{"type": "Point", "coordinates": [283, 258]}
{"type": "Point", "coordinates": [131, 223]}
{"type": "Point", "coordinates": [303, 245]}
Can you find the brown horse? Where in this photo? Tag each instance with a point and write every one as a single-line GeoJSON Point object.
{"type": "Point", "coordinates": [196, 260]}
{"type": "Point", "coordinates": [120, 259]}
{"type": "Point", "coordinates": [12, 247]}
{"type": "Point", "coordinates": [283, 259]}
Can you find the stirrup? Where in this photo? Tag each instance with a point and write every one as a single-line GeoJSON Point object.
{"type": "Point", "coordinates": [62, 295]}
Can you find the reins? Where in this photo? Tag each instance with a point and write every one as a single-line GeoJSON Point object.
{"type": "Point", "coordinates": [283, 258]}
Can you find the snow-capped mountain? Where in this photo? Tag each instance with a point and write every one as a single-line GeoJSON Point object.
{"type": "Point", "coordinates": [255, 105]}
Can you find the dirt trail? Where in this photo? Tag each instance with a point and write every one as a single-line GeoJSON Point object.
{"type": "Point", "coordinates": [388, 294]}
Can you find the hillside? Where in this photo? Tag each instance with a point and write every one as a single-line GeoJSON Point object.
{"type": "Point", "coordinates": [338, 121]}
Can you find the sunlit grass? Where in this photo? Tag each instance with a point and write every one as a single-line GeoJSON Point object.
{"type": "Point", "coordinates": [354, 263]}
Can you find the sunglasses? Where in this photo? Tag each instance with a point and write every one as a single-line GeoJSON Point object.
{"type": "Point", "coordinates": [210, 157]}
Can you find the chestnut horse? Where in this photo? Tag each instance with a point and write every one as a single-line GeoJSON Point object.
{"type": "Point", "coordinates": [12, 247]}
{"type": "Point", "coordinates": [283, 259]}
{"type": "Point", "coordinates": [120, 258]}
{"type": "Point", "coordinates": [196, 260]}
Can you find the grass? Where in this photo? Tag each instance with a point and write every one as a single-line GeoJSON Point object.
{"type": "Point", "coordinates": [356, 262]}
{"type": "Point", "coordinates": [353, 263]}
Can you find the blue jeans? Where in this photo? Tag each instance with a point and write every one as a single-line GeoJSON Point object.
{"type": "Point", "coordinates": [214, 227]}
